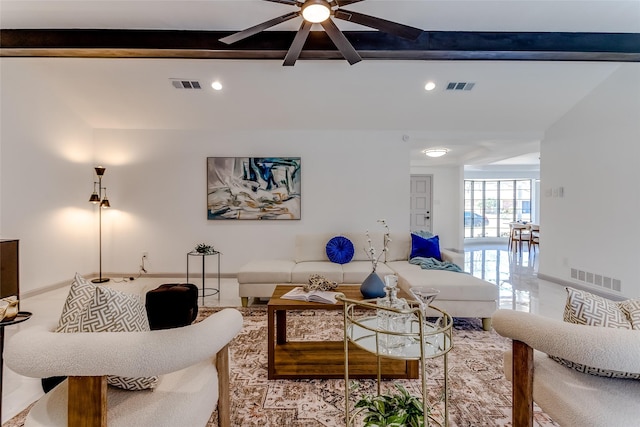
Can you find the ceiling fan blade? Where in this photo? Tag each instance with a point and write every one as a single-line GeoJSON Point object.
{"type": "Point", "coordinates": [290, 2]}
{"type": "Point", "coordinates": [258, 28]}
{"type": "Point", "coordinates": [298, 42]}
{"type": "Point", "coordinates": [344, 2]}
{"type": "Point", "coordinates": [341, 42]}
{"type": "Point", "coordinates": [383, 25]}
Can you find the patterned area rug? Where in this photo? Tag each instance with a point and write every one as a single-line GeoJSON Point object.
{"type": "Point", "coordinates": [479, 394]}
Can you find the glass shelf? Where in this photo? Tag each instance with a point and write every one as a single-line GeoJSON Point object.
{"type": "Point", "coordinates": [365, 333]}
{"type": "Point", "coordinates": [423, 338]}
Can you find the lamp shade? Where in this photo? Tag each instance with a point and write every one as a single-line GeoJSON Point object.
{"type": "Point", "coordinates": [105, 203]}
{"type": "Point", "coordinates": [94, 198]}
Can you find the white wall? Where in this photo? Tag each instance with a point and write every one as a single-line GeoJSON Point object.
{"type": "Point", "coordinates": [156, 183]}
{"type": "Point", "coordinates": [447, 203]}
{"type": "Point", "coordinates": [46, 182]}
{"type": "Point", "coordinates": [592, 153]}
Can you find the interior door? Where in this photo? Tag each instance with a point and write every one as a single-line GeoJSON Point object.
{"type": "Point", "coordinates": [421, 198]}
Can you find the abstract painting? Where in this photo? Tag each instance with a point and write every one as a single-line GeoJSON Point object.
{"type": "Point", "coordinates": [253, 187]}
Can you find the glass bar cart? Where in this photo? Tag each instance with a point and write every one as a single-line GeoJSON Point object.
{"type": "Point", "coordinates": [422, 336]}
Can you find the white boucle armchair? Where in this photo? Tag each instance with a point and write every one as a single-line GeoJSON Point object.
{"type": "Point", "coordinates": [192, 363]}
{"type": "Point", "coordinates": [570, 397]}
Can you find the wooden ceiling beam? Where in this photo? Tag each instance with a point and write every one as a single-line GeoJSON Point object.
{"type": "Point", "coordinates": [431, 45]}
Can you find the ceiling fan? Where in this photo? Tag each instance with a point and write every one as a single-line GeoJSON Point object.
{"type": "Point", "coordinates": [320, 12]}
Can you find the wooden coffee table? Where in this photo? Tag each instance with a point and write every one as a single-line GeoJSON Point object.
{"type": "Point", "coordinates": [322, 359]}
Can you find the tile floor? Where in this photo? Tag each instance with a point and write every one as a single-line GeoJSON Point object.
{"type": "Point", "coordinates": [516, 276]}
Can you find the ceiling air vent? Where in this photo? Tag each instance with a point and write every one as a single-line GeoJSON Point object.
{"type": "Point", "coordinates": [185, 84]}
{"type": "Point", "coordinates": [460, 86]}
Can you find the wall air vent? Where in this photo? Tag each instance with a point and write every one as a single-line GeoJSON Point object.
{"type": "Point", "coordinates": [596, 279]}
{"type": "Point", "coordinates": [185, 84]}
{"type": "Point", "coordinates": [460, 86]}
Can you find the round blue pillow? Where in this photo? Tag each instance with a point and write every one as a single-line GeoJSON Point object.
{"type": "Point", "coordinates": [340, 250]}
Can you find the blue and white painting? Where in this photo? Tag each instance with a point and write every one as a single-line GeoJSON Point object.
{"type": "Point", "coordinates": [253, 187]}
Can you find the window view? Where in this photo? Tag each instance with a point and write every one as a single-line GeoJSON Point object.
{"type": "Point", "coordinates": [489, 206]}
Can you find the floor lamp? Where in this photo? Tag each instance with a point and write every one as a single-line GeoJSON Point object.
{"type": "Point", "coordinates": [97, 198]}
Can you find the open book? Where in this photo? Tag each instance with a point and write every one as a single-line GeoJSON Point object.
{"type": "Point", "coordinates": [298, 293]}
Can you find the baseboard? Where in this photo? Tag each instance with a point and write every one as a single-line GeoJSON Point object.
{"type": "Point", "coordinates": [33, 293]}
{"type": "Point", "coordinates": [576, 285]}
{"type": "Point", "coordinates": [174, 275]}
{"type": "Point", "coordinates": [118, 276]}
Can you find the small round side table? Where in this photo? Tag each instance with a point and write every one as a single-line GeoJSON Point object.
{"type": "Point", "coordinates": [203, 255]}
{"type": "Point", "coordinates": [21, 317]}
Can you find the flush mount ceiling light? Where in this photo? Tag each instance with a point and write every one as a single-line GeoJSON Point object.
{"type": "Point", "coordinates": [324, 12]}
{"type": "Point", "coordinates": [216, 85]}
{"type": "Point", "coordinates": [430, 86]}
{"type": "Point", "coordinates": [316, 11]}
{"type": "Point", "coordinates": [435, 152]}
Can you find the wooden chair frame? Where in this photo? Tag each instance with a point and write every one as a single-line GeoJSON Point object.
{"type": "Point", "coordinates": [87, 401]}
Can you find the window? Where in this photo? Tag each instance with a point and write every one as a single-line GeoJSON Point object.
{"type": "Point", "coordinates": [490, 205]}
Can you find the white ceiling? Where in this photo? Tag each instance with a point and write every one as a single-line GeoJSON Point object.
{"type": "Point", "coordinates": [500, 121]}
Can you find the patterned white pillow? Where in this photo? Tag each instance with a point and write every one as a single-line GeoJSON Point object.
{"type": "Point", "coordinates": [631, 308]}
{"type": "Point", "coordinates": [585, 308]}
{"type": "Point", "coordinates": [113, 311]}
{"type": "Point", "coordinates": [91, 308]}
{"type": "Point", "coordinates": [80, 294]}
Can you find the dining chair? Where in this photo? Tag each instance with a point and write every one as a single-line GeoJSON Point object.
{"type": "Point", "coordinates": [518, 233]}
{"type": "Point", "coordinates": [534, 236]}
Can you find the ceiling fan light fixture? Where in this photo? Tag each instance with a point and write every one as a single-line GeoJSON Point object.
{"type": "Point", "coordinates": [435, 152]}
{"type": "Point", "coordinates": [316, 11]}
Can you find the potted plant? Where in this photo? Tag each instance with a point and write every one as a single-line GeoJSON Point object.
{"type": "Point", "coordinates": [391, 410]}
{"type": "Point", "coordinates": [203, 248]}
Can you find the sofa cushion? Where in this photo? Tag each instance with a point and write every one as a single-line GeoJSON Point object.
{"type": "Point", "coordinates": [361, 244]}
{"type": "Point", "coordinates": [339, 250]}
{"type": "Point", "coordinates": [452, 286]}
{"type": "Point", "coordinates": [452, 256]}
{"type": "Point", "coordinates": [266, 271]}
{"type": "Point", "coordinates": [311, 247]}
{"type": "Point", "coordinates": [399, 247]}
{"type": "Point", "coordinates": [357, 271]}
{"type": "Point", "coordinates": [303, 270]}
{"type": "Point", "coordinates": [585, 308]}
{"type": "Point", "coordinates": [425, 248]}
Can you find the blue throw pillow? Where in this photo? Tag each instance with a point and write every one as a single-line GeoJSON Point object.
{"type": "Point", "coordinates": [340, 250]}
{"type": "Point", "coordinates": [426, 248]}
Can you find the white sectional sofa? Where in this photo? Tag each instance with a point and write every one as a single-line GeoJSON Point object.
{"type": "Point", "coordinates": [461, 294]}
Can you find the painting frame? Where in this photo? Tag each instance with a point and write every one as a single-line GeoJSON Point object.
{"type": "Point", "coordinates": [254, 188]}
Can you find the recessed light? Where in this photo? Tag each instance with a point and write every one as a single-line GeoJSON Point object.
{"type": "Point", "coordinates": [430, 86]}
{"type": "Point", "coordinates": [216, 85]}
{"type": "Point", "coordinates": [435, 152]}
